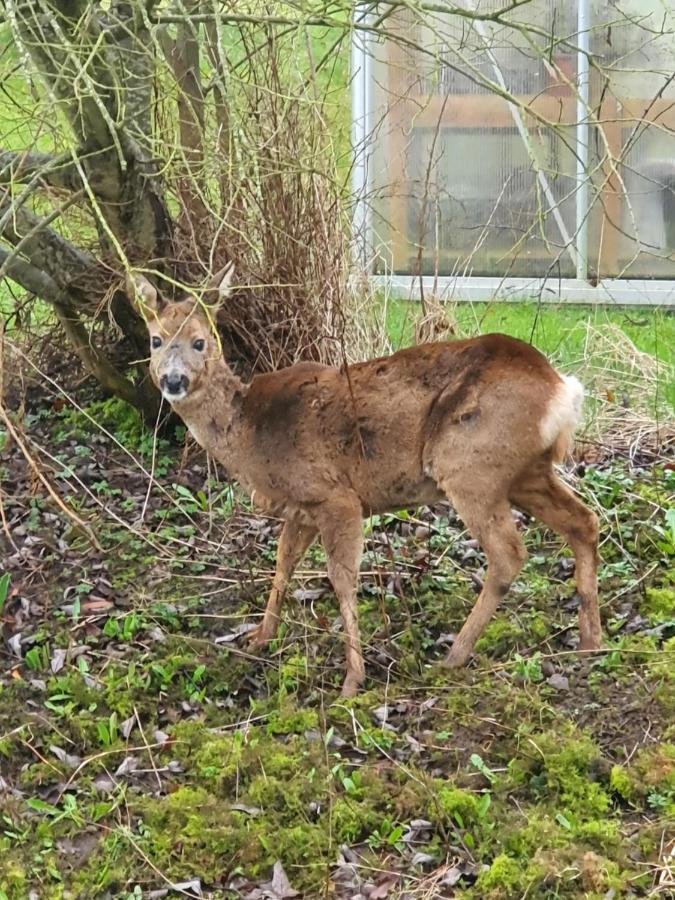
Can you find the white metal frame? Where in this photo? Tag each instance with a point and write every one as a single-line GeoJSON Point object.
{"type": "Point", "coordinates": [609, 292]}
{"type": "Point", "coordinates": [361, 134]}
{"type": "Point", "coordinates": [640, 292]}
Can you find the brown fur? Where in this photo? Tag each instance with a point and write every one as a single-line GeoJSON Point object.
{"type": "Point", "coordinates": [323, 447]}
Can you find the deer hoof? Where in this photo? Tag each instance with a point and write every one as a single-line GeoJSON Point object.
{"type": "Point", "coordinates": [352, 685]}
{"type": "Point", "coordinates": [257, 638]}
{"type": "Point", "coordinates": [456, 658]}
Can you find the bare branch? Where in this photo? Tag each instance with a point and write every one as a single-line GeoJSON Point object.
{"type": "Point", "coordinates": [31, 278]}
{"type": "Point", "coordinates": [110, 379]}
{"type": "Point", "coordinates": [183, 55]}
{"type": "Point", "coordinates": [22, 166]}
{"type": "Point", "coordinates": [45, 248]}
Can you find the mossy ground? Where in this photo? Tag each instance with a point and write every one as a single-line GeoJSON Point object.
{"type": "Point", "coordinates": [142, 745]}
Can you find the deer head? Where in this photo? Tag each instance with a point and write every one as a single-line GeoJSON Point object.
{"type": "Point", "coordinates": [184, 344]}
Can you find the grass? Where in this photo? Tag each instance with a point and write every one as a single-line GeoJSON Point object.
{"type": "Point", "coordinates": [559, 331]}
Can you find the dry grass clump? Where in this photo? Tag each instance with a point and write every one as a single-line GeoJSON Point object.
{"type": "Point", "coordinates": [628, 413]}
{"type": "Point", "coordinates": [271, 198]}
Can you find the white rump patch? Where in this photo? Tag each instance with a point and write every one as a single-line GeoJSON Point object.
{"type": "Point", "coordinates": [564, 411]}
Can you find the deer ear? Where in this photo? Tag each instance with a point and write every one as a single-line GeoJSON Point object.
{"type": "Point", "coordinates": [220, 285]}
{"type": "Point", "coordinates": [143, 294]}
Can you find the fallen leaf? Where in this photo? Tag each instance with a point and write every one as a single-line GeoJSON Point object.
{"type": "Point", "coordinates": [240, 630]}
{"type": "Point", "coordinates": [280, 885]}
{"type": "Point", "coordinates": [127, 726]}
{"type": "Point", "coordinates": [93, 606]}
{"type": "Point", "coordinates": [384, 888]}
{"type": "Point", "coordinates": [128, 765]}
{"type": "Point", "coordinates": [69, 759]}
{"type": "Point", "coordinates": [58, 660]}
{"type": "Point", "coordinates": [452, 876]}
{"type": "Point", "coordinates": [104, 784]}
{"type": "Point", "coordinates": [249, 810]}
{"type": "Point", "coordinates": [306, 595]}
{"type": "Point", "coordinates": [422, 859]}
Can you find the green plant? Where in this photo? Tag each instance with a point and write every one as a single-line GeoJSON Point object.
{"type": "Point", "coordinates": [387, 836]}
{"type": "Point", "coordinates": [529, 669]}
{"type": "Point", "coordinates": [108, 730]}
{"type": "Point", "coordinates": [37, 658]}
{"type": "Point", "coordinates": [4, 590]}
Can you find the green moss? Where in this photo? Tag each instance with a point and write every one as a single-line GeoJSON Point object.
{"type": "Point", "coordinates": [213, 759]}
{"type": "Point", "coordinates": [562, 769]}
{"type": "Point", "coordinates": [353, 821]}
{"type": "Point", "coordinates": [507, 878]}
{"type": "Point", "coordinates": [621, 783]}
{"type": "Point", "coordinates": [500, 635]}
{"type": "Point", "coordinates": [601, 834]}
{"type": "Point", "coordinates": [14, 880]}
{"type": "Point", "coordinates": [659, 604]}
{"type": "Point", "coordinates": [460, 806]}
{"type": "Point", "coordinates": [274, 794]}
{"type": "Point", "coordinates": [540, 831]}
{"type": "Point", "coordinates": [538, 625]}
{"type": "Point", "coordinates": [191, 828]}
{"type": "Point", "coordinates": [288, 719]}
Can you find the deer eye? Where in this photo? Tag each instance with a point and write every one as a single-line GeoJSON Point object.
{"type": "Point", "coordinates": [156, 342]}
{"type": "Point", "coordinates": [198, 345]}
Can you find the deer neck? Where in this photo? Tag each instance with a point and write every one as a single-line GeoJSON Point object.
{"type": "Point", "coordinates": [212, 412]}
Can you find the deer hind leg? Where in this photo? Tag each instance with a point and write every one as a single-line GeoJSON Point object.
{"type": "Point", "coordinates": [341, 530]}
{"type": "Point", "coordinates": [294, 540]}
{"type": "Point", "coordinates": [492, 525]}
{"type": "Point", "coordinates": [545, 497]}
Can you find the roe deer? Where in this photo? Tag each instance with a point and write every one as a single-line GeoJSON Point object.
{"type": "Point", "coordinates": [479, 421]}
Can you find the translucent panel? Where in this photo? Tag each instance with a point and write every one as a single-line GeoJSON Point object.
{"type": "Point", "coordinates": [464, 181]}
{"type": "Point", "coordinates": [634, 155]}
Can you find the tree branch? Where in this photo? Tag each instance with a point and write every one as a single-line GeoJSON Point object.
{"type": "Point", "coordinates": [70, 46]}
{"type": "Point", "coordinates": [112, 381]}
{"type": "Point", "coordinates": [45, 248]}
{"type": "Point", "coordinates": [19, 167]}
{"type": "Point", "coordinates": [31, 279]}
{"type": "Point", "coordinates": [183, 57]}
{"type": "Point", "coordinates": [135, 64]}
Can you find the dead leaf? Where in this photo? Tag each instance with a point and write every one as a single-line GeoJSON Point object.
{"type": "Point", "coordinates": [127, 726]}
{"type": "Point", "coordinates": [422, 859]}
{"type": "Point", "coordinates": [128, 765]}
{"type": "Point", "coordinates": [69, 759]}
{"type": "Point", "coordinates": [306, 595]}
{"type": "Point", "coordinates": [104, 784]}
{"type": "Point", "coordinates": [280, 885]}
{"type": "Point", "coordinates": [384, 888]}
{"type": "Point", "coordinates": [95, 606]}
{"type": "Point", "coordinates": [452, 876]}
{"type": "Point", "coordinates": [249, 810]}
{"type": "Point", "coordinates": [240, 630]}
{"type": "Point", "coordinates": [58, 660]}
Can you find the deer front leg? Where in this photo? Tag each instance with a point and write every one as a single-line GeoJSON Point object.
{"type": "Point", "coordinates": [294, 540]}
{"type": "Point", "coordinates": [341, 527]}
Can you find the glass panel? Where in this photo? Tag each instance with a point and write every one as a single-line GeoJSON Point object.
{"type": "Point", "coordinates": [463, 182]}
{"type": "Point", "coordinates": [633, 215]}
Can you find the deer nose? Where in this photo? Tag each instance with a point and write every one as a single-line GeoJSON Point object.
{"type": "Point", "coordinates": [174, 383]}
